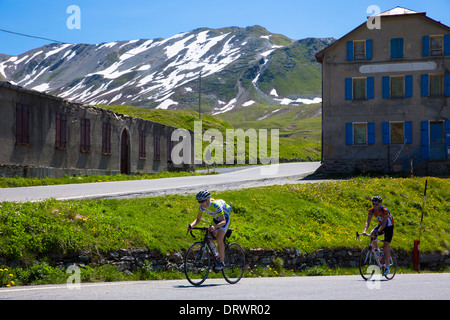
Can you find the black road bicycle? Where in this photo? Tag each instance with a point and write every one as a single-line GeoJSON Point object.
{"type": "Point", "coordinates": [200, 260]}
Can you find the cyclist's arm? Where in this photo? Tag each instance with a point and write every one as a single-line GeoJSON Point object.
{"type": "Point", "coordinates": [221, 223]}
{"type": "Point", "coordinates": [366, 226]}
{"type": "Point", "coordinates": [196, 221]}
{"type": "Point", "coordinates": [383, 223]}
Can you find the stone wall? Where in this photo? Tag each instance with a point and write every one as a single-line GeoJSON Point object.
{"type": "Point", "coordinates": [130, 260]}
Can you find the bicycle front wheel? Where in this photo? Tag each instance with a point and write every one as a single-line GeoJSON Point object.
{"type": "Point", "coordinates": [392, 266]}
{"type": "Point", "coordinates": [367, 264]}
{"type": "Point", "coordinates": [197, 263]}
{"type": "Point", "coordinates": [234, 263]}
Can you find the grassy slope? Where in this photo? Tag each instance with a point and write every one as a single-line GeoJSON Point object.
{"type": "Point", "coordinates": [306, 216]}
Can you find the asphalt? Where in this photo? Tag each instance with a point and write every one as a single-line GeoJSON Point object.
{"type": "Point", "coordinates": [240, 177]}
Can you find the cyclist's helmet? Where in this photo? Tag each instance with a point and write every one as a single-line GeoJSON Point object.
{"type": "Point", "coordinates": [203, 195]}
{"type": "Point", "coordinates": [377, 199]}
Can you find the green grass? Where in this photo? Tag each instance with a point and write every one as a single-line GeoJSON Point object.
{"type": "Point", "coordinates": [306, 216]}
{"type": "Point", "coordinates": [29, 182]}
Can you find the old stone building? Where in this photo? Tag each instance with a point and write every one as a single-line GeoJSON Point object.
{"type": "Point", "coordinates": [43, 135]}
{"type": "Point", "coordinates": [386, 96]}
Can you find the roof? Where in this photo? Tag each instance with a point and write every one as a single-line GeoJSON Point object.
{"type": "Point", "coordinates": [398, 11]}
{"type": "Point", "coordinates": [395, 12]}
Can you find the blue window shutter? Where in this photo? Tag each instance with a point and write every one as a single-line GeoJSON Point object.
{"type": "Point", "coordinates": [424, 90]}
{"type": "Point", "coordinates": [349, 133]}
{"type": "Point", "coordinates": [396, 48]}
{"type": "Point", "coordinates": [386, 87]}
{"type": "Point", "coordinates": [369, 45]}
{"type": "Point", "coordinates": [425, 151]}
{"type": "Point", "coordinates": [408, 86]}
{"type": "Point", "coordinates": [447, 44]}
{"type": "Point", "coordinates": [348, 89]}
{"type": "Point", "coordinates": [447, 134]}
{"type": "Point", "coordinates": [408, 131]}
{"type": "Point", "coordinates": [371, 133]}
{"type": "Point", "coordinates": [349, 50]}
{"type": "Point", "coordinates": [370, 83]}
{"type": "Point", "coordinates": [447, 84]}
{"type": "Point", "coordinates": [426, 46]}
{"type": "Point", "coordinates": [385, 131]}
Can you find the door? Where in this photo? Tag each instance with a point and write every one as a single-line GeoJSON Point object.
{"type": "Point", "coordinates": [437, 142]}
{"type": "Point", "coordinates": [124, 152]}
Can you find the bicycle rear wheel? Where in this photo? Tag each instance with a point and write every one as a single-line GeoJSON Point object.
{"type": "Point", "coordinates": [367, 264]}
{"type": "Point", "coordinates": [234, 263]}
{"type": "Point", "coordinates": [197, 263]}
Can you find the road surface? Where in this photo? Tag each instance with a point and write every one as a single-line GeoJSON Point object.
{"type": "Point", "coordinates": [435, 286]}
{"type": "Point", "coordinates": [246, 177]}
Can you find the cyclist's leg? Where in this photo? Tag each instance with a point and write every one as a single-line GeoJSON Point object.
{"type": "Point", "coordinates": [220, 236]}
{"type": "Point", "coordinates": [388, 234]}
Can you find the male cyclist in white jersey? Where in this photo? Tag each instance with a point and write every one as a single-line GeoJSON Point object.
{"type": "Point", "coordinates": [220, 211]}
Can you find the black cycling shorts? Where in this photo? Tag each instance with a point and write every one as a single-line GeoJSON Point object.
{"type": "Point", "coordinates": [388, 233]}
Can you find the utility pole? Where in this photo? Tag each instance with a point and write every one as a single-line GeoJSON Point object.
{"type": "Point", "coordinates": [199, 95]}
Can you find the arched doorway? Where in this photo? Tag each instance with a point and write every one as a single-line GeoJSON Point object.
{"type": "Point", "coordinates": [124, 152]}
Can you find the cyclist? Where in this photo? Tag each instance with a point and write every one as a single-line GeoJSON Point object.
{"type": "Point", "coordinates": [220, 211]}
{"type": "Point", "coordinates": [385, 226]}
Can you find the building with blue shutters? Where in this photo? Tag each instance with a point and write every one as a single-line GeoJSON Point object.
{"type": "Point", "coordinates": [386, 97]}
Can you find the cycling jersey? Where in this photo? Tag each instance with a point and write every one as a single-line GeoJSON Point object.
{"type": "Point", "coordinates": [216, 209]}
{"type": "Point", "coordinates": [381, 213]}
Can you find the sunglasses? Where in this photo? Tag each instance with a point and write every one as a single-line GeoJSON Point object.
{"type": "Point", "coordinates": [376, 203]}
{"type": "Point", "coordinates": [201, 201]}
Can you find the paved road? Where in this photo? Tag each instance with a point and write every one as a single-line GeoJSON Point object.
{"type": "Point", "coordinates": [402, 287]}
{"type": "Point", "coordinates": [246, 177]}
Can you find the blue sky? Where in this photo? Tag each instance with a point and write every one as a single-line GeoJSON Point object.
{"type": "Point", "coordinates": [113, 20]}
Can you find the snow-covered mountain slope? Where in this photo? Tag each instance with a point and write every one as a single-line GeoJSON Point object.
{"type": "Point", "coordinates": [235, 65]}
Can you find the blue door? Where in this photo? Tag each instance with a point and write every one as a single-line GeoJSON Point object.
{"type": "Point", "coordinates": [437, 141]}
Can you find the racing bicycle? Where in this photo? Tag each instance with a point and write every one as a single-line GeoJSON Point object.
{"type": "Point", "coordinates": [371, 260]}
{"type": "Point", "coordinates": [200, 260]}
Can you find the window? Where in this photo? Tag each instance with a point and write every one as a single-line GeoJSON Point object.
{"type": "Point", "coordinates": [436, 45]}
{"type": "Point", "coordinates": [397, 87]}
{"type": "Point", "coordinates": [156, 147]}
{"type": "Point", "coordinates": [436, 84]}
{"type": "Point", "coordinates": [142, 153]}
{"type": "Point", "coordinates": [396, 48]}
{"type": "Point", "coordinates": [61, 129]}
{"type": "Point", "coordinates": [85, 145]}
{"type": "Point", "coordinates": [22, 124]}
{"type": "Point", "coordinates": [359, 50]}
{"type": "Point", "coordinates": [359, 133]}
{"type": "Point", "coordinates": [435, 139]}
{"type": "Point", "coordinates": [397, 132]}
{"type": "Point", "coordinates": [106, 138]}
{"type": "Point", "coordinates": [359, 88]}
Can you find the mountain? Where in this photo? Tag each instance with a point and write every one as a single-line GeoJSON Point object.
{"type": "Point", "coordinates": [238, 67]}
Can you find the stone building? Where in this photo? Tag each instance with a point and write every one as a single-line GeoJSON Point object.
{"type": "Point", "coordinates": [386, 96]}
{"type": "Point", "coordinates": [43, 135]}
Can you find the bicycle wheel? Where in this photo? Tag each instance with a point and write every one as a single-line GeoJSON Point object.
{"type": "Point", "coordinates": [197, 263]}
{"type": "Point", "coordinates": [367, 264]}
{"type": "Point", "coordinates": [234, 263]}
{"type": "Point", "coordinates": [392, 266]}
